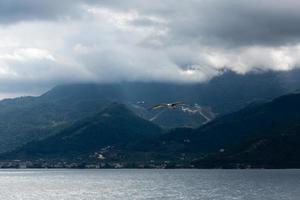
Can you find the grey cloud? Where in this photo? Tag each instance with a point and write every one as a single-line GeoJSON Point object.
{"type": "Point", "coordinates": [241, 23]}
{"type": "Point", "coordinates": [157, 40]}
{"type": "Point", "coordinates": [228, 22]}
{"type": "Point", "coordinates": [144, 22]}
{"type": "Point", "coordinates": [214, 22]}
{"type": "Point", "coordinates": [12, 11]}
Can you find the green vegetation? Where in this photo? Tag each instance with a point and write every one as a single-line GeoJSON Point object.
{"type": "Point", "coordinates": [80, 121]}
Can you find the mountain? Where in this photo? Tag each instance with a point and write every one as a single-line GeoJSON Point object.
{"type": "Point", "coordinates": [265, 135]}
{"type": "Point", "coordinates": [272, 118]}
{"type": "Point", "coordinates": [260, 135]}
{"type": "Point", "coordinates": [114, 126]}
{"type": "Point", "coordinates": [26, 119]}
{"type": "Point", "coordinates": [223, 94]}
{"type": "Point", "coordinates": [272, 151]}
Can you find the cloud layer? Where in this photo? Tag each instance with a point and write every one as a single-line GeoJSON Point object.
{"type": "Point", "coordinates": [49, 42]}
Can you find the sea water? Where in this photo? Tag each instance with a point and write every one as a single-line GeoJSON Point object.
{"type": "Point", "coordinates": [131, 184]}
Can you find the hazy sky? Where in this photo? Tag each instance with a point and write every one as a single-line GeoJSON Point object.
{"type": "Point", "coordinates": [49, 42]}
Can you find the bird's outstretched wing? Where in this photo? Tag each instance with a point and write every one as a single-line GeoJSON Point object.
{"type": "Point", "coordinates": [184, 105]}
{"type": "Point", "coordinates": [157, 106]}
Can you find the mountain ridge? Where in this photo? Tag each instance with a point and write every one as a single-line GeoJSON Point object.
{"type": "Point", "coordinates": [33, 118]}
{"type": "Point", "coordinates": [115, 125]}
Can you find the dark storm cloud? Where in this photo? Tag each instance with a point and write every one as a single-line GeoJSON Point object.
{"type": "Point", "coordinates": [12, 11]}
{"type": "Point", "coordinates": [63, 41]}
{"type": "Point", "coordinates": [223, 22]}
{"type": "Point", "coordinates": [240, 23]}
{"type": "Point", "coordinates": [16, 10]}
{"type": "Point", "coordinates": [212, 22]}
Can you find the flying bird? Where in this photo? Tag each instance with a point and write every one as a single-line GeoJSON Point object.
{"type": "Point", "coordinates": [205, 113]}
{"type": "Point", "coordinates": [173, 105]}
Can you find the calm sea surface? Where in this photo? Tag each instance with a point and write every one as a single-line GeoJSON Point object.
{"type": "Point", "coordinates": [149, 184]}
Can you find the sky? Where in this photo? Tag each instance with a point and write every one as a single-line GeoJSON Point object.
{"type": "Point", "coordinates": [44, 43]}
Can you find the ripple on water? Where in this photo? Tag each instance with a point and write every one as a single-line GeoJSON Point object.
{"type": "Point", "coordinates": [150, 184]}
